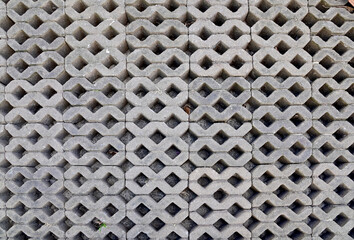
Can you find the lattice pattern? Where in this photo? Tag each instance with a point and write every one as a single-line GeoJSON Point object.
{"type": "Point", "coordinates": [176, 119]}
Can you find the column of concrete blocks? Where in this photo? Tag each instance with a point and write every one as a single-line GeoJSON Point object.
{"type": "Point", "coordinates": [3, 133]}
{"type": "Point", "coordinates": [94, 119]}
{"type": "Point", "coordinates": [220, 119]}
{"type": "Point", "coordinates": [332, 36]}
{"type": "Point", "coordinates": [34, 51]}
{"type": "Point", "coordinates": [280, 177]}
{"type": "Point", "coordinates": [156, 91]}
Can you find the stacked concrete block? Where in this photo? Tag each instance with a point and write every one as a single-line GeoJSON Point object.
{"type": "Point", "coordinates": [176, 119]}
{"type": "Point", "coordinates": [332, 119]}
{"type": "Point", "coordinates": [156, 91]}
{"type": "Point", "coordinates": [94, 92]}
{"type": "Point", "coordinates": [281, 177]}
{"type": "Point", "coordinates": [222, 206]}
{"type": "Point", "coordinates": [220, 120]}
{"type": "Point", "coordinates": [33, 55]}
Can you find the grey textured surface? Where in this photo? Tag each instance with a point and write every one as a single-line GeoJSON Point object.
{"type": "Point", "coordinates": [176, 119]}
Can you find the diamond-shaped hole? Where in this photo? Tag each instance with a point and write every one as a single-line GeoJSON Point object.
{"type": "Point", "coordinates": [235, 210]}
{"type": "Point", "coordinates": [141, 91]}
{"type": "Point", "coordinates": [267, 149]}
{"type": "Point", "coordinates": [236, 90]}
{"type": "Point", "coordinates": [297, 148]}
{"type": "Point", "coordinates": [172, 122]}
{"type": "Point", "coordinates": [340, 104]}
{"type": "Point", "coordinates": [35, 22]}
{"type": "Point", "coordinates": [326, 119]}
{"type": "Point", "coordinates": [341, 219]}
{"type": "Point", "coordinates": [218, 19]}
{"type": "Point", "coordinates": [109, 5]}
{"type": "Point", "coordinates": [142, 63]}
{"type": "Point", "coordinates": [203, 6]}
{"type": "Point", "coordinates": [322, 6]}
{"type": "Point", "coordinates": [142, 210]}
{"type": "Point", "coordinates": [157, 19]}
{"type": "Point", "coordinates": [264, 5]}
{"type": "Point", "coordinates": [324, 34]}
{"type": "Point", "coordinates": [282, 221]}
{"type": "Point", "coordinates": [220, 48]}
{"type": "Point", "coordinates": [235, 180]}
{"type": "Point", "coordinates": [237, 62]}
{"type": "Point", "coordinates": [141, 180]}
{"type": "Point", "coordinates": [280, 19]}
{"type": "Point", "coordinates": [50, 65]}
{"type": "Point", "coordinates": [79, 63]}
{"type": "Point", "coordinates": [95, 48]}
{"type": "Point", "coordinates": [293, 6]}
{"type": "Point", "coordinates": [204, 181]}
{"type": "Point", "coordinates": [282, 47]}
{"type": "Point", "coordinates": [157, 137]}
{"type": "Point", "coordinates": [157, 106]}
{"type": "Point", "coordinates": [173, 91]}
{"type": "Point", "coordinates": [21, 65]}
{"type": "Point", "coordinates": [220, 224]}
{"type": "Point", "coordinates": [110, 62]}
{"type": "Point", "coordinates": [157, 224]}
{"type": "Point", "coordinates": [206, 63]}
{"type": "Point", "coordinates": [298, 61]}
{"type": "Point", "coordinates": [327, 62]}
{"type": "Point", "coordinates": [220, 166]}
{"type": "Point", "coordinates": [267, 120]}
{"type": "Point", "coordinates": [157, 166]}
{"type": "Point", "coordinates": [340, 134]}
{"type": "Point", "coordinates": [173, 33]}
{"type": "Point", "coordinates": [172, 179]}
{"type": "Point", "coordinates": [35, 224]}
{"type": "Point", "coordinates": [204, 210]}
{"type": "Point", "coordinates": [282, 134]}
{"type": "Point", "coordinates": [235, 33]}
{"type": "Point", "coordinates": [110, 210]}
{"type": "Point", "coordinates": [220, 105]}
{"type": "Point", "coordinates": [109, 90]}
{"type": "Point", "coordinates": [79, 6]}
{"type": "Point", "coordinates": [205, 152]}
{"type": "Point", "coordinates": [173, 152]}
{"type": "Point", "coordinates": [172, 209]}
{"type": "Point", "coordinates": [281, 192]}
{"type": "Point", "coordinates": [174, 63]}
{"type": "Point", "coordinates": [327, 176]}
{"type": "Point", "coordinates": [21, 37]}
{"type": "Point", "coordinates": [205, 90]}
{"type": "Point", "coordinates": [267, 89]}
{"type": "Point", "coordinates": [296, 89]}
{"type": "Point", "coordinates": [220, 195]}
{"type": "Point", "coordinates": [296, 177]}
{"type": "Point", "coordinates": [20, 8]}
{"type": "Point", "coordinates": [326, 149]}
{"type": "Point", "coordinates": [297, 119]}
{"type": "Point", "coordinates": [142, 152]}
{"type": "Point", "coordinates": [236, 152]}
{"type": "Point", "coordinates": [340, 48]}
{"type": "Point", "coordinates": [268, 61]}
{"type": "Point", "coordinates": [265, 33]}
{"type": "Point", "coordinates": [157, 195]}
{"type": "Point", "coordinates": [338, 20]}
{"type": "Point", "coordinates": [295, 33]}
{"type": "Point", "coordinates": [267, 178]}
{"type": "Point", "coordinates": [110, 33]}
{"type": "Point", "coordinates": [220, 137]}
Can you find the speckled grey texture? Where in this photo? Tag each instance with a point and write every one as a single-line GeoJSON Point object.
{"type": "Point", "coordinates": [176, 119]}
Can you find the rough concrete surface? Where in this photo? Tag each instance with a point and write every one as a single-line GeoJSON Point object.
{"type": "Point", "coordinates": [176, 119]}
